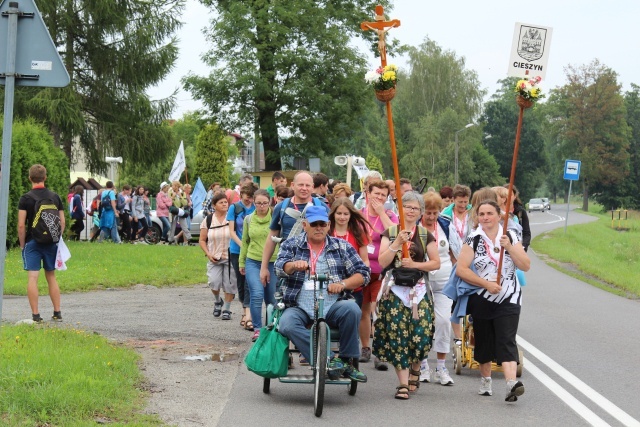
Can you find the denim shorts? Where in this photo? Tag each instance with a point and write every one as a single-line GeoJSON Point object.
{"type": "Point", "coordinates": [36, 256]}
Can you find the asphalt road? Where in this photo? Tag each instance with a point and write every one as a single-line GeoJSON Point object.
{"type": "Point", "coordinates": [581, 357]}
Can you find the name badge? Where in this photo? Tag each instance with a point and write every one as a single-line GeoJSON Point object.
{"type": "Point", "coordinates": [371, 248]}
{"type": "Point", "coordinates": [443, 243]}
{"type": "Point", "coordinates": [308, 285]}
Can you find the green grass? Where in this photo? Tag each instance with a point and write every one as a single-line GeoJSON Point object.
{"type": "Point", "coordinates": [602, 256]}
{"type": "Point", "coordinates": [105, 265]}
{"type": "Point", "coordinates": [65, 377]}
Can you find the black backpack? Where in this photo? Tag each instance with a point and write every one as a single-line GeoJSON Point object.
{"type": "Point", "coordinates": [105, 202]}
{"type": "Point", "coordinates": [46, 227]}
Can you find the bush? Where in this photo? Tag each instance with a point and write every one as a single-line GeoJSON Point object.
{"type": "Point", "coordinates": [31, 143]}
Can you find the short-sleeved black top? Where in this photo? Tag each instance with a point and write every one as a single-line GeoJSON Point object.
{"type": "Point", "coordinates": [28, 203]}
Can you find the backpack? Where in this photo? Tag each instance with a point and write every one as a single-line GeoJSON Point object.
{"type": "Point", "coordinates": [46, 227]}
{"type": "Point", "coordinates": [423, 232]}
{"type": "Point", "coordinates": [297, 227]}
{"type": "Point", "coordinates": [105, 202]}
{"type": "Point", "coordinates": [120, 202]}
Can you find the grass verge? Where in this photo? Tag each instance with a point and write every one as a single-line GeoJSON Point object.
{"type": "Point", "coordinates": [596, 253]}
{"type": "Point", "coordinates": [105, 265]}
{"type": "Point", "coordinates": [66, 377]}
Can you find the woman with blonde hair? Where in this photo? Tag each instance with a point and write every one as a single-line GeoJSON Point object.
{"type": "Point", "coordinates": [342, 190]}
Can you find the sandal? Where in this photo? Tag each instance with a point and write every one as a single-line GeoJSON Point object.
{"type": "Point", "coordinates": [414, 383]}
{"type": "Point", "coordinates": [226, 315]}
{"type": "Point", "coordinates": [402, 392]}
{"type": "Point", "coordinates": [248, 325]}
{"type": "Point", "coordinates": [217, 309]}
{"type": "Point", "coordinates": [242, 321]}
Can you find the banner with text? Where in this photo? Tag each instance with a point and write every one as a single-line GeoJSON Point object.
{"type": "Point", "coordinates": [529, 51]}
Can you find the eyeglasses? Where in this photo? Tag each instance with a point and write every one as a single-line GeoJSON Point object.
{"type": "Point", "coordinates": [411, 208]}
{"type": "Point", "coordinates": [262, 203]}
{"type": "Point", "coordinates": [317, 224]}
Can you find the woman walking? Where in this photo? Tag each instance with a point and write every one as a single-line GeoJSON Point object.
{"type": "Point", "coordinates": [77, 211]}
{"type": "Point", "coordinates": [214, 242]}
{"type": "Point", "coordinates": [404, 328]}
{"type": "Point", "coordinates": [163, 202]}
{"type": "Point", "coordinates": [137, 213]}
{"type": "Point", "coordinates": [254, 235]}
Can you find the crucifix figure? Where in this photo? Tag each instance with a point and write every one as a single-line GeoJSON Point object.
{"type": "Point", "coordinates": [380, 26]}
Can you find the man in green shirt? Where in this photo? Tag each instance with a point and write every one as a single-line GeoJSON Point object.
{"type": "Point", "coordinates": [277, 178]}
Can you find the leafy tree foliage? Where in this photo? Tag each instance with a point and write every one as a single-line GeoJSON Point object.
{"type": "Point", "coordinates": [290, 62]}
{"type": "Point", "coordinates": [373, 163]}
{"type": "Point", "coordinates": [113, 51]}
{"type": "Point", "coordinates": [212, 154]}
{"type": "Point", "coordinates": [631, 185]}
{"type": "Point", "coordinates": [500, 121]}
{"type": "Point", "coordinates": [31, 143]}
{"type": "Point", "coordinates": [593, 116]}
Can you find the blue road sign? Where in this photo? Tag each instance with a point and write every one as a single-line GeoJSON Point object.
{"type": "Point", "coordinates": [37, 60]}
{"type": "Point", "coordinates": [572, 169]}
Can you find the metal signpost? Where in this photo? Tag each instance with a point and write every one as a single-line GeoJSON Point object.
{"type": "Point", "coordinates": [30, 59]}
{"type": "Point", "coordinates": [571, 173]}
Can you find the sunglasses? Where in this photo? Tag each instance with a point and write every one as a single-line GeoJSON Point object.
{"type": "Point", "coordinates": [317, 224]}
{"type": "Point", "coordinates": [261, 203]}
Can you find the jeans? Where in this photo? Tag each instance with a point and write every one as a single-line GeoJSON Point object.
{"type": "Point", "coordinates": [257, 292]}
{"type": "Point", "coordinates": [104, 233]}
{"type": "Point", "coordinates": [142, 227]}
{"type": "Point", "coordinates": [343, 315]}
{"type": "Point", "coordinates": [166, 225]}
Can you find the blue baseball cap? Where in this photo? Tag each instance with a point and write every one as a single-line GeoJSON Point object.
{"type": "Point", "coordinates": [316, 213]}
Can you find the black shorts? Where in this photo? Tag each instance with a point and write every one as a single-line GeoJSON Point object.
{"type": "Point", "coordinates": [496, 339]}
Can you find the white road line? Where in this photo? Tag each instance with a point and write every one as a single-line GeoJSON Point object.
{"type": "Point", "coordinates": [576, 382]}
{"type": "Point", "coordinates": [560, 218]}
{"type": "Point", "coordinates": [564, 395]}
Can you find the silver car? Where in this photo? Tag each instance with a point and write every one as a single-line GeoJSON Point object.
{"type": "Point", "coordinates": [155, 228]}
{"type": "Point", "coordinates": [536, 205]}
{"type": "Point", "coordinates": [547, 205]}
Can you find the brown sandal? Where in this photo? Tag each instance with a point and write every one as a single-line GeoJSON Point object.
{"type": "Point", "coordinates": [248, 325]}
{"type": "Point", "coordinates": [414, 383]}
{"type": "Point", "coordinates": [402, 392]}
{"type": "Point", "coordinates": [242, 321]}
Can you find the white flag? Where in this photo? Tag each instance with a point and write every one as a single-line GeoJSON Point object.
{"type": "Point", "coordinates": [179, 164]}
{"type": "Point", "coordinates": [62, 256]}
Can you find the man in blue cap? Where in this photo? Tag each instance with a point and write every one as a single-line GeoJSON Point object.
{"type": "Point", "coordinates": [314, 252]}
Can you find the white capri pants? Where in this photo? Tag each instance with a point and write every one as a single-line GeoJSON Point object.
{"type": "Point", "coordinates": [442, 307]}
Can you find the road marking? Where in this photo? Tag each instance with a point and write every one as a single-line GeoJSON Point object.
{"type": "Point", "coordinates": [560, 218]}
{"type": "Point", "coordinates": [579, 407]}
{"type": "Point", "coordinates": [576, 382]}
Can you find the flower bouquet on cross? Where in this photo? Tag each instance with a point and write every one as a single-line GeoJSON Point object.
{"type": "Point", "coordinates": [383, 80]}
{"type": "Point", "coordinates": [528, 92]}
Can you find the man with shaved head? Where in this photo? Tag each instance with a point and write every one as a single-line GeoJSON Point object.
{"type": "Point", "coordinates": [391, 203]}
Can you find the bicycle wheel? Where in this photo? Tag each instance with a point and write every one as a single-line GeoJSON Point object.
{"type": "Point", "coordinates": [320, 369]}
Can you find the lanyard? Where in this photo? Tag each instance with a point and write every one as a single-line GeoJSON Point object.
{"type": "Point", "coordinates": [495, 261]}
{"type": "Point", "coordinates": [373, 226]}
{"type": "Point", "coordinates": [459, 230]}
{"type": "Point", "coordinates": [314, 257]}
{"type": "Point", "coordinates": [435, 233]}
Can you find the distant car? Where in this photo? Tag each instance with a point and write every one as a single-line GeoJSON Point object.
{"type": "Point", "coordinates": [155, 228]}
{"type": "Point", "coordinates": [536, 205]}
{"type": "Point", "coordinates": [546, 203]}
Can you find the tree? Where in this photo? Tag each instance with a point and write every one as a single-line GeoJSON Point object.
{"type": "Point", "coordinates": [212, 155]}
{"type": "Point", "coordinates": [500, 121]}
{"type": "Point", "coordinates": [373, 163]}
{"type": "Point", "coordinates": [31, 144]}
{"type": "Point", "coordinates": [631, 185]}
{"type": "Point", "coordinates": [292, 65]}
{"type": "Point", "coordinates": [593, 116]}
{"type": "Point", "coordinates": [113, 51]}
{"type": "Point", "coordinates": [484, 170]}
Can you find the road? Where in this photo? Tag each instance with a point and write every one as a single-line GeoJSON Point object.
{"type": "Point", "coordinates": [581, 351]}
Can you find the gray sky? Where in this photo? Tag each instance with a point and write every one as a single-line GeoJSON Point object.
{"type": "Point", "coordinates": [479, 31]}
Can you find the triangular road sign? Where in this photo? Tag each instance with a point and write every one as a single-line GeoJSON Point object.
{"type": "Point", "coordinates": [37, 60]}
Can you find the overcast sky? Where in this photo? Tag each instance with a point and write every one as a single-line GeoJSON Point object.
{"type": "Point", "coordinates": [481, 32]}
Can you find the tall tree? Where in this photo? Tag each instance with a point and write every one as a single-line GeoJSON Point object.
{"type": "Point", "coordinates": [114, 51]}
{"type": "Point", "coordinates": [290, 66]}
{"type": "Point", "coordinates": [631, 186]}
{"type": "Point", "coordinates": [595, 129]}
{"type": "Point", "coordinates": [212, 156]}
{"type": "Point", "coordinates": [500, 122]}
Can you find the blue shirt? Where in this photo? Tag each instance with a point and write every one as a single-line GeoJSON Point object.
{"type": "Point", "coordinates": [288, 221]}
{"type": "Point", "coordinates": [239, 223]}
{"type": "Point", "coordinates": [341, 258]}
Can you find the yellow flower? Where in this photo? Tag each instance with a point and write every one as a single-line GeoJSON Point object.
{"type": "Point", "coordinates": [391, 67]}
{"type": "Point", "coordinates": [388, 75]}
{"type": "Point", "coordinates": [535, 92]}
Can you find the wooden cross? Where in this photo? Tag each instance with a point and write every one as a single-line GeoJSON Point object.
{"type": "Point", "coordinates": [381, 27]}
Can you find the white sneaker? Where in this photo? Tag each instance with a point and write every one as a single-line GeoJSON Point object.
{"type": "Point", "coordinates": [514, 389]}
{"type": "Point", "coordinates": [485, 387]}
{"type": "Point", "coordinates": [425, 372]}
{"type": "Point", "coordinates": [443, 376]}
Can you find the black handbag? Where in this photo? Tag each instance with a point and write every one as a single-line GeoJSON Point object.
{"type": "Point", "coordinates": [404, 276]}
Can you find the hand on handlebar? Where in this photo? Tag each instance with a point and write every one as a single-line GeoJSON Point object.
{"type": "Point", "coordinates": [300, 265]}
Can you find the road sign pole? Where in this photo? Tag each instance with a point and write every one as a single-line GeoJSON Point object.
{"type": "Point", "coordinates": [566, 220]}
{"type": "Point", "coordinates": [7, 131]}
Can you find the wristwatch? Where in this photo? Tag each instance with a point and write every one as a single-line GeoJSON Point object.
{"type": "Point", "coordinates": [344, 285]}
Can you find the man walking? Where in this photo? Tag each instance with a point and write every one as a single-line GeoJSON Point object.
{"type": "Point", "coordinates": [40, 226]}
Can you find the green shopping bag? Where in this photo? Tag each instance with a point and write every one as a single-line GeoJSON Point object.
{"type": "Point", "coordinates": [269, 356]}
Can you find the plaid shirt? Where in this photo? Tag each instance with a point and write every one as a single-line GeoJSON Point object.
{"type": "Point", "coordinates": [342, 259]}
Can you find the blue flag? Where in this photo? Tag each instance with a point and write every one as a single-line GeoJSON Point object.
{"type": "Point", "coordinates": [198, 196]}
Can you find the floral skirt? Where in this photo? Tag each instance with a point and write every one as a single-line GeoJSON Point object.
{"type": "Point", "coordinates": [400, 339]}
